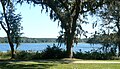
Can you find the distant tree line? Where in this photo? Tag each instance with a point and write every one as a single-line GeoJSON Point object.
{"type": "Point", "coordinates": [30, 40]}
{"type": "Point", "coordinates": [37, 40]}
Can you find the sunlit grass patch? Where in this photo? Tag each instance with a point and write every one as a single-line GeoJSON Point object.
{"type": "Point", "coordinates": [87, 66]}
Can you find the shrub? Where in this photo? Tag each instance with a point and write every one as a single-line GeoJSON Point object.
{"type": "Point", "coordinates": [53, 53]}
{"type": "Point", "coordinates": [24, 55]}
{"type": "Point", "coordinates": [93, 55]}
{"type": "Point", "coordinates": [5, 54]}
{"type": "Point", "coordinates": [37, 55]}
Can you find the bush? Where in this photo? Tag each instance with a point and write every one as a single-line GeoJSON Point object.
{"type": "Point", "coordinates": [5, 54]}
{"type": "Point", "coordinates": [27, 55]}
{"type": "Point", "coordinates": [24, 55]}
{"type": "Point", "coordinates": [37, 55]}
{"type": "Point", "coordinates": [93, 55]}
{"type": "Point", "coordinates": [53, 53]}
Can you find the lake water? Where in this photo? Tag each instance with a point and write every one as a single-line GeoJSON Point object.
{"type": "Point", "coordinates": [41, 46]}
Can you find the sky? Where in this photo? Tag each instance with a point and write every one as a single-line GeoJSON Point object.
{"type": "Point", "coordinates": [38, 25]}
{"type": "Point", "coordinates": [35, 24]}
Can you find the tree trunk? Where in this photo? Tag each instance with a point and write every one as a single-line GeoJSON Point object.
{"type": "Point", "coordinates": [118, 35]}
{"type": "Point", "coordinates": [119, 49]}
{"type": "Point", "coordinates": [69, 50]}
{"type": "Point", "coordinates": [12, 51]}
{"type": "Point", "coordinates": [118, 44]}
{"type": "Point", "coordinates": [11, 46]}
{"type": "Point", "coordinates": [69, 45]}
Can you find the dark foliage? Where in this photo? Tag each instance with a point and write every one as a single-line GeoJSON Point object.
{"type": "Point", "coordinates": [58, 53]}
{"type": "Point", "coordinates": [53, 53]}
{"type": "Point", "coordinates": [24, 55]}
{"type": "Point", "coordinates": [94, 55]}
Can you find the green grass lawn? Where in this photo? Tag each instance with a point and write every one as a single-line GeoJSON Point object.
{"type": "Point", "coordinates": [54, 65]}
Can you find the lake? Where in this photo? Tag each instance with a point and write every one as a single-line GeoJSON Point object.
{"type": "Point", "coordinates": [41, 46]}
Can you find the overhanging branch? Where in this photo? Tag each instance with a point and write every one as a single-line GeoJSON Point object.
{"type": "Point", "coordinates": [3, 26]}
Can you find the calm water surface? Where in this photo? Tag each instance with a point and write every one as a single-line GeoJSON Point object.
{"type": "Point", "coordinates": [41, 46]}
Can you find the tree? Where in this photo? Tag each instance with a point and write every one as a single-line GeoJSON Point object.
{"type": "Point", "coordinates": [68, 13]}
{"type": "Point", "coordinates": [110, 15]}
{"type": "Point", "coordinates": [10, 22]}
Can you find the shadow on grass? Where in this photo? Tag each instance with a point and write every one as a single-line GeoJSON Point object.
{"type": "Point", "coordinates": [32, 64]}
{"type": "Point", "coordinates": [25, 65]}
